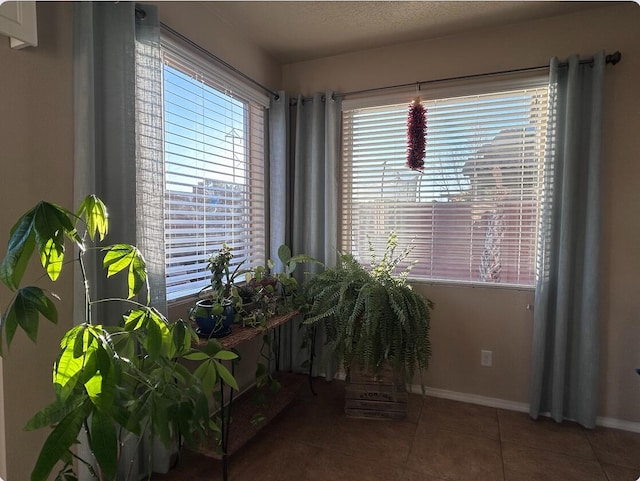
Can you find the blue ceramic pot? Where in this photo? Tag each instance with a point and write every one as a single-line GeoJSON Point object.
{"type": "Point", "coordinates": [210, 322]}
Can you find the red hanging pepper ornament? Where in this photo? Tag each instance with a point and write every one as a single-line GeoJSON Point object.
{"type": "Point", "coordinates": [416, 129]}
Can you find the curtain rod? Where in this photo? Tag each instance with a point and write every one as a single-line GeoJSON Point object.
{"type": "Point", "coordinates": [613, 59]}
{"type": "Point", "coordinates": [142, 14]}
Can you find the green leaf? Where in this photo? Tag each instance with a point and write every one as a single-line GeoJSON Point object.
{"type": "Point", "coordinates": [58, 442]}
{"type": "Point", "coordinates": [119, 257]}
{"type": "Point", "coordinates": [52, 255]}
{"type": "Point", "coordinates": [95, 216]}
{"type": "Point", "coordinates": [184, 375]}
{"type": "Point", "coordinates": [135, 319]}
{"type": "Point", "coordinates": [196, 356]}
{"type": "Point", "coordinates": [24, 311]}
{"type": "Point", "coordinates": [291, 267]}
{"type": "Point", "coordinates": [93, 385]}
{"type": "Point", "coordinates": [226, 375]}
{"type": "Point", "coordinates": [69, 369]}
{"type": "Point", "coordinates": [160, 416]}
{"type": "Point", "coordinates": [9, 322]}
{"type": "Point", "coordinates": [211, 347]}
{"type": "Point", "coordinates": [225, 355]}
{"type": "Point", "coordinates": [105, 360]}
{"type": "Point", "coordinates": [284, 253]}
{"type": "Point", "coordinates": [137, 277]}
{"type": "Point", "coordinates": [101, 386]}
{"type": "Point", "coordinates": [50, 223]}
{"type": "Point", "coordinates": [208, 376]}
{"type": "Point", "coordinates": [53, 413]}
{"type": "Point", "coordinates": [104, 443]}
{"type": "Point", "coordinates": [78, 342]}
{"type": "Point", "coordinates": [166, 339]}
{"type": "Point", "coordinates": [181, 335]}
{"type": "Point", "coordinates": [124, 344]}
{"type": "Point", "coordinates": [154, 340]}
{"type": "Point", "coordinates": [19, 250]}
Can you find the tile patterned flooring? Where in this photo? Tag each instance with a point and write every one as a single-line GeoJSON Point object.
{"type": "Point", "coordinates": [441, 440]}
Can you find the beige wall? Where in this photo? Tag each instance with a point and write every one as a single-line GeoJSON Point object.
{"type": "Point", "coordinates": [36, 125]}
{"type": "Point", "coordinates": [198, 21]}
{"type": "Point", "coordinates": [466, 319]}
{"type": "Point", "coordinates": [36, 135]}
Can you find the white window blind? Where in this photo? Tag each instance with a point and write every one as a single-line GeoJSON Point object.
{"type": "Point", "coordinates": [473, 213]}
{"type": "Point", "coordinates": [214, 170]}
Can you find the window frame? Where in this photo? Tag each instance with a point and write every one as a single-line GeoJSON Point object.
{"type": "Point", "coordinates": [444, 90]}
{"type": "Point", "coordinates": [255, 105]}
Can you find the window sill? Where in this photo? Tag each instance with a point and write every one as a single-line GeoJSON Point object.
{"type": "Point", "coordinates": [472, 285]}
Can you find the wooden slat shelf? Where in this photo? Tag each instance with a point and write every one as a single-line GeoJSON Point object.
{"type": "Point", "coordinates": [240, 334]}
{"type": "Point", "coordinates": [244, 409]}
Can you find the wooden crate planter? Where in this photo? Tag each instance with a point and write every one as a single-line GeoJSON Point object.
{"type": "Point", "coordinates": [375, 397]}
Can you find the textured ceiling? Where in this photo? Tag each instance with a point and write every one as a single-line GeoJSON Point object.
{"type": "Point", "coordinates": [294, 31]}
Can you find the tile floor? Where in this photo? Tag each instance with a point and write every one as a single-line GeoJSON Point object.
{"type": "Point", "coordinates": [441, 440]}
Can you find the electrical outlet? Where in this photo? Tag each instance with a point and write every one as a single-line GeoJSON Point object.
{"type": "Point", "coordinates": [486, 358]}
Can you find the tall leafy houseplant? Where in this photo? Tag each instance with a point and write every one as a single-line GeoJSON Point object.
{"type": "Point", "coordinates": [112, 382]}
{"type": "Point", "coordinates": [371, 315]}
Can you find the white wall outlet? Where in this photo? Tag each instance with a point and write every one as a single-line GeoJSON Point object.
{"type": "Point", "coordinates": [486, 358]}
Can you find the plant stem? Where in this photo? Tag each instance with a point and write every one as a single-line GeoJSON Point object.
{"type": "Point", "coordinates": [87, 464]}
{"type": "Point", "coordinates": [119, 299]}
{"type": "Point", "coordinates": [87, 295]}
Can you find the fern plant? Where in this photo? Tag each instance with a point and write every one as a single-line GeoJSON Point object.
{"type": "Point", "coordinates": [372, 315]}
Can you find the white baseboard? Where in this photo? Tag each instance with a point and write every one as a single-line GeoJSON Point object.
{"type": "Point", "coordinates": [618, 424]}
{"type": "Point", "coordinates": [470, 398]}
{"type": "Point", "coordinates": [513, 406]}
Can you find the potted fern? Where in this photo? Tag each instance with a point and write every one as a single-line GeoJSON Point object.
{"type": "Point", "coordinates": [114, 384]}
{"type": "Point", "coordinates": [374, 321]}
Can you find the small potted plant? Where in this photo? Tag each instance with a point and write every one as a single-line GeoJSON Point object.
{"type": "Point", "coordinates": [281, 287]}
{"type": "Point", "coordinates": [220, 303]}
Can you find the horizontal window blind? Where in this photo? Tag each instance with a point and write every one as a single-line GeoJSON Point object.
{"type": "Point", "coordinates": [214, 171]}
{"type": "Point", "coordinates": [473, 212]}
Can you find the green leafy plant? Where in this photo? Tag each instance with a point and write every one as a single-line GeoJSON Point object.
{"type": "Point", "coordinates": [371, 315]}
{"type": "Point", "coordinates": [219, 305]}
{"type": "Point", "coordinates": [292, 295]}
{"type": "Point", "coordinates": [282, 285]}
{"type": "Point", "coordinates": [114, 382]}
{"type": "Point", "coordinates": [223, 278]}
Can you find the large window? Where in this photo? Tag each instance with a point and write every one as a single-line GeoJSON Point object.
{"type": "Point", "coordinates": [473, 212]}
{"type": "Point", "coordinates": [214, 169]}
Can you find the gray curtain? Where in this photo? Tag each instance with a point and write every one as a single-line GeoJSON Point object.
{"type": "Point", "coordinates": [566, 335]}
{"type": "Point", "coordinates": [304, 207]}
{"type": "Point", "coordinates": [117, 104]}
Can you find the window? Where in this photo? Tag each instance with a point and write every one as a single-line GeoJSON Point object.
{"type": "Point", "coordinates": [473, 212]}
{"type": "Point", "coordinates": [214, 169]}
